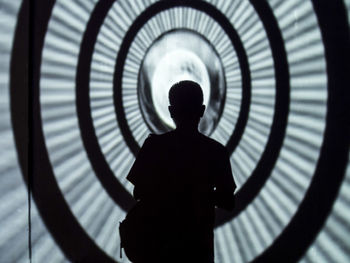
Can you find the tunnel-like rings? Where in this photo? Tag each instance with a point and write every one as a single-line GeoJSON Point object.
{"type": "Point", "coordinates": [102, 170]}
{"type": "Point", "coordinates": [333, 157]}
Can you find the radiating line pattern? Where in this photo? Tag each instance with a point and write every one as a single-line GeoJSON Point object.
{"type": "Point", "coordinates": [13, 192]}
{"type": "Point", "coordinates": [251, 232]}
{"type": "Point", "coordinates": [13, 196]}
{"type": "Point", "coordinates": [190, 19]}
{"type": "Point", "coordinates": [83, 192]}
{"type": "Point", "coordinates": [250, 29]}
{"type": "Point", "coordinates": [105, 123]}
{"type": "Point", "coordinates": [332, 243]}
{"type": "Point", "coordinates": [269, 213]}
{"type": "Point", "coordinates": [279, 199]}
{"type": "Point", "coordinates": [14, 204]}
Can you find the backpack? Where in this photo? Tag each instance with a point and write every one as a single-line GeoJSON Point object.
{"type": "Point", "coordinates": [135, 231]}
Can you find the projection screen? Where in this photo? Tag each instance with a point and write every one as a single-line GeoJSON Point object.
{"type": "Point", "coordinates": [84, 82]}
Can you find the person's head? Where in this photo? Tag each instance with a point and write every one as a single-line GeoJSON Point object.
{"type": "Point", "coordinates": [186, 103]}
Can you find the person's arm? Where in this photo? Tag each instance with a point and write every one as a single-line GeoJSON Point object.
{"type": "Point", "coordinates": [225, 185]}
{"type": "Point", "coordinates": [141, 169]}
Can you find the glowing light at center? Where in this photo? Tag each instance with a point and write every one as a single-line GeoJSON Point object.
{"type": "Point", "coordinates": [175, 66]}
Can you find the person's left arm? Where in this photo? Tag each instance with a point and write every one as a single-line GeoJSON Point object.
{"type": "Point", "coordinates": [225, 184]}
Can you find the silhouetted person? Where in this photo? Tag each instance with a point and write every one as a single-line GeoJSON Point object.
{"type": "Point", "coordinates": [181, 176]}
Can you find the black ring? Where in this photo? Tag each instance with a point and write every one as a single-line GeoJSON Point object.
{"type": "Point", "coordinates": [262, 171]}
{"type": "Point", "coordinates": [333, 158]}
{"type": "Point", "coordinates": [236, 42]}
{"type": "Point", "coordinates": [114, 188]}
{"type": "Point", "coordinates": [157, 119]}
{"type": "Point", "coordinates": [318, 201]}
{"type": "Point", "coordinates": [77, 246]}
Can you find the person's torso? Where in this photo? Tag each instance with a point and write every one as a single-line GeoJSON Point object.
{"type": "Point", "coordinates": [184, 178]}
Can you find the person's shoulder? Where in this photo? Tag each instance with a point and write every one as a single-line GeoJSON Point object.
{"type": "Point", "coordinates": [153, 136]}
{"type": "Point", "coordinates": [213, 144]}
{"type": "Point", "coordinates": [159, 138]}
{"type": "Point", "coordinates": [210, 141]}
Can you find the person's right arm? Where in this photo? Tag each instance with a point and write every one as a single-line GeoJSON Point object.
{"type": "Point", "coordinates": [141, 170]}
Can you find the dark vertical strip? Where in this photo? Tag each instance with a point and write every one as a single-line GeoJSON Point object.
{"type": "Point", "coordinates": [30, 106]}
{"type": "Point", "coordinates": [54, 210]}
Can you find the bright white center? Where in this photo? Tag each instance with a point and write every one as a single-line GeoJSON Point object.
{"type": "Point", "coordinates": [175, 66]}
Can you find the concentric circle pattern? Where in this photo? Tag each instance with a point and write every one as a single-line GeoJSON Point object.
{"type": "Point", "coordinates": [276, 80]}
{"type": "Point", "coordinates": [171, 59]}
